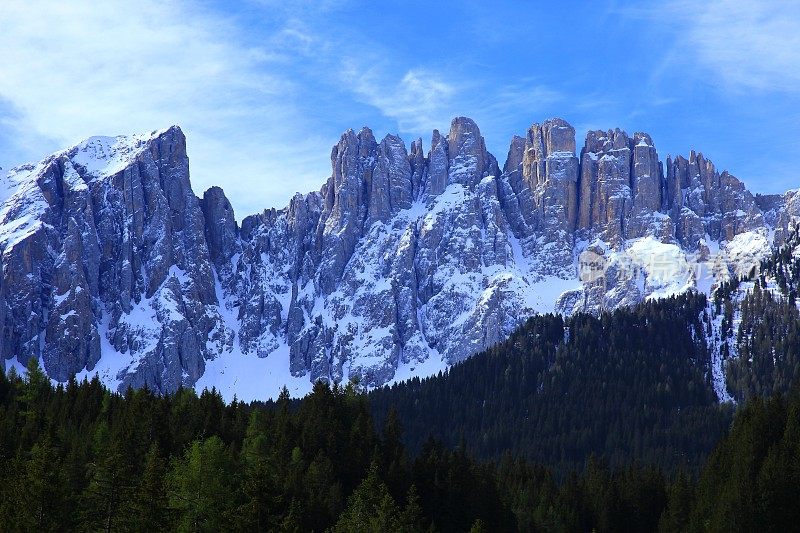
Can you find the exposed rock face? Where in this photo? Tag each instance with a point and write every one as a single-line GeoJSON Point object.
{"type": "Point", "coordinates": [539, 192]}
{"type": "Point", "coordinates": [705, 202]}
{"type": "Point", "coordinates": [221, 230]}
{"type": "Point", "coordinates": [436, 176]}
{"type": "Point", "coordinates": [104, 243]}
{"type": "Point", "coordinates": [468, 157]}
{"type": "Point", "coordinates": [402, 263]}
{"type": "Point", "coordinates": [647, 179]}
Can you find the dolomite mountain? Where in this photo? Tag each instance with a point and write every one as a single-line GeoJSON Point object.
{"type": "Point", "coordinates": [401, 264]}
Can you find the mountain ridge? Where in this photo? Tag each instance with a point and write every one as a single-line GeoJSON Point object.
{"type": "Point", "coordinates": [400, 265]}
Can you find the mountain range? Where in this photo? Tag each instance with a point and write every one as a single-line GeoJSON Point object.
{"type": "Point", "coordinates": [402, 264]}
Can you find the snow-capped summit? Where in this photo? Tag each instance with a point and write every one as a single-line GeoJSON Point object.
{"type": "Point", "coordinates": [105, 156]}
{"type": "Point", "coordinates": [401, 264]}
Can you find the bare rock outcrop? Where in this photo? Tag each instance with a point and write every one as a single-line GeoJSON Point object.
{"type": "Point", "coordinates": [402, 260]}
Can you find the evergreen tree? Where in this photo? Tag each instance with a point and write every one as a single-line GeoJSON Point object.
{"type": "Point", "coordinates": [148, 509]}
{"type": "Point", "coordinates": [110, 481]}
{"type": "Point", "coordinates": [675, 517]}
{"type": "Point", "coordinates": [412, 519]}
{"type": "Point", "coordinates": [370, 509]}
{"type": "Point", "coordinates": [202, 487]}
{"type": "Point", "coordinates": [258, 483]}
{"type": "Point", "coordinates": [40, 503]}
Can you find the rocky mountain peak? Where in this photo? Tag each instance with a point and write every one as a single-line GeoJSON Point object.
{"type": "Point", "coordinates": [391, 189]}
{"type": "Point", "coordinates": [438, 165]}
{"type": "Point", "coordinates": [221, 229]}
{"type": "Point", "coordinates": [401, 264]}
{"type": "Point", "coordinates": [468, 157]}
{"type": "Point", "coordinates": [117, 227]}
{"type": "Point", "coordinates": [516, 152]}
{"type": "Point", "coordinates": [557, 136]}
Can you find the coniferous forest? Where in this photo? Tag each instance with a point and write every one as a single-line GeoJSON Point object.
{"type": "Point", "coordinates": [631, 385]}
{"type": "Point", "coordinates": [606, 423]}
{"type": "Point", "coordinates": [594, 423]}
{"type": "Point", "coordinates": [469, 266]}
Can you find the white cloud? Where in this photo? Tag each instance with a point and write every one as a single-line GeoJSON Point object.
{"type": "Point", "coordinates": [744, 44]}
{"type": "Point", "coordinates": [419, 101]}
{"type": "Point", "coordinates": [69, 70]}
{"type": "Point", "coordinates": [257, 97]}
{"type": "Point", "coordinates": [503, 105]}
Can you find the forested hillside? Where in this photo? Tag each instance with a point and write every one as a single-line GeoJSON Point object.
{"type": "Point", "coordinates": [85, 459]}
{"type": "Point", "coordinates": [632, 385]}
{"type": "Point", "coordinates": [761, 319]}
{"type": "Point", "coordinates": [608, 423]}
{"type": "Point", "coordinates": [82, 458]}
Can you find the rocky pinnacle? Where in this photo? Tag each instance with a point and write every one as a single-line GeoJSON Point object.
{"type": "Point", "coordinates": [403, 259]}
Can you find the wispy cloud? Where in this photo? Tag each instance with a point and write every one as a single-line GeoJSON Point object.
{"type": "Point", "coordinates": [69, 70]}
{"type": "Point", "coordinates": [419, 101]}
{"type": "Point", "coordinates": [503, 102]}
{"type": "Point", "coordinates": [264, 87]}
{"type": "Point", "coordinates": [742, 45]}
{"type": "Point", "coordinates": [498, 108]}
{"type": "Point", "coordinates": [422, 100]}
{"type": "Point", "coordinates": [749, 44]}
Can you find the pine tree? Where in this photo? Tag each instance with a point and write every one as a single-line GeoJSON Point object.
{"type": "Point", "coordinates": [258, 485]}
{"type": "Point", "coordinates": [148, 509]}
{"type": "Point", "coordinates": [32, 395]}
{"type": "Point", "coordinates": [675, 517]}
{"type": "Point", "coordinates": [478, 527]}
{"type": "Point", "coordinates": [412, 518]}
{"type": "Point", "coordinates": [370, 509]}
{"type": "Point", "coordinates": [41, 500]}
{"type": "Point", "coordinates": [109, 481]}
{"type": "Point", "coordinates": [202, 487]}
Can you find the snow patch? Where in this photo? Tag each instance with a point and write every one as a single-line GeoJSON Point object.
{"type": "Point", "coordinates": [252, 378]}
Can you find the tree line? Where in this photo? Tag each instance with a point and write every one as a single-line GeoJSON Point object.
{"type": "Point", "coordinates": [606, 423]}
{"type": "Point", "coordinates": [632, 385]}
{"type": "Point", "coordinates": [81, 458]}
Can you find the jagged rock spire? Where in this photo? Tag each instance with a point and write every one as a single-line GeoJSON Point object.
{"type": "Point", "coordinates": [401, 259]}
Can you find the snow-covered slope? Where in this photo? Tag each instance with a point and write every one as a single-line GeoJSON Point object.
{"type": "Point", "coordinates": [402, 264]}
{"type": "Point", "coordinates": [753, 323]}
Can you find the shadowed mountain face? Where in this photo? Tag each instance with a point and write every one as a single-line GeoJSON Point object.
{"type": "Point", "coordinates": [401, 264]}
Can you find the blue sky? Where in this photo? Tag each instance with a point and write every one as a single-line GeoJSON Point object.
{"type": "Point", "coordinates": [263, 90]}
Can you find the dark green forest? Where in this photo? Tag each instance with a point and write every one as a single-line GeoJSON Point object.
{"type": "Point", "coordinates": [767, 337]}
{"type": "Point", "coordinates": [606, 423]}
{"type": "Point", "coordinates": [80, 458]}
{"type": "Point", "coordinates": [632, 385]}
